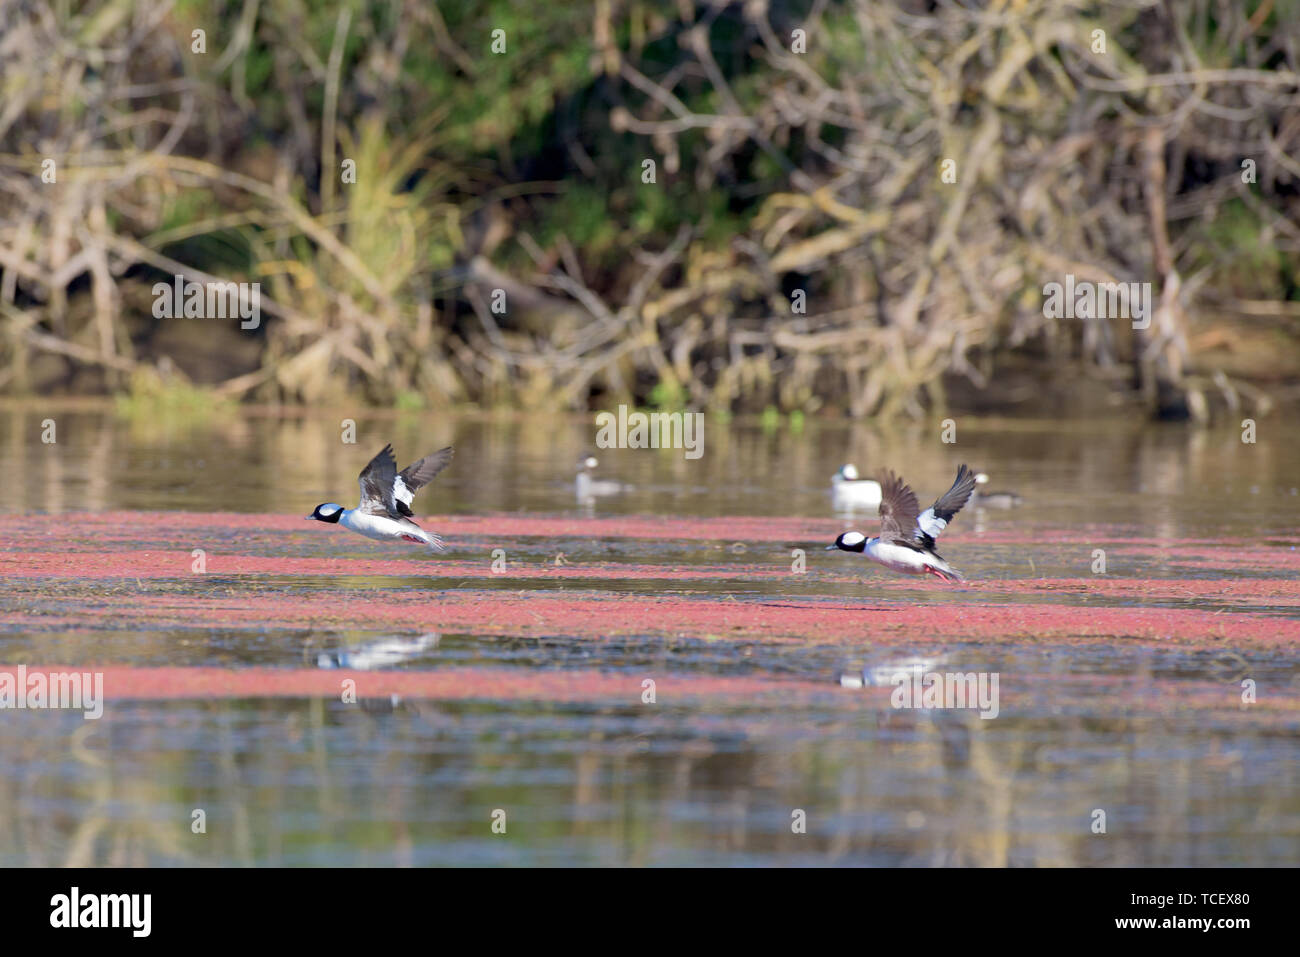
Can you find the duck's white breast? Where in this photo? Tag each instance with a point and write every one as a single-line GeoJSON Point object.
{"type": "Point", "coordinates": [379, 527]}
{"type": "Point", "coordinates": [898, 557]}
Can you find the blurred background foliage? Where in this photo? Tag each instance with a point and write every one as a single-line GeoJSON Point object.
{"type": "Point", "coordinates": [733, 206]}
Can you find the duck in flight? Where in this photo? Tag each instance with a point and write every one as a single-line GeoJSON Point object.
{"type": "Point", "coordinates": [907, 535]}
{"type": "Point", "coordinates": [385, 510]}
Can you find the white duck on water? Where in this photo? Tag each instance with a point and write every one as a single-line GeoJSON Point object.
{"type": "Point", "coordinates": [385, 510]}
{"type": "Point", "coordinates": [588, 487]}
{"type": "Point", "coordinates": [907, 535]}
{"type": "Point", "coordinates": [849, 490]}
{"type": "Point", "coordinates": [985, 499]}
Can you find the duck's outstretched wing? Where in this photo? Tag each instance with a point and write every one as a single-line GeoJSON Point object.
{"type": "Point", "coordinates": [376, 481]}
{"type": "Point", "coordinates": [898, 508]}
{"type": "Point", "coordinates": [417, 475]}
{"type": "Point", "coordinates": [931, 523]}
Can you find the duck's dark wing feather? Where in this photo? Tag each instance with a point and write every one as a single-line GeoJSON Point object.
{"type": "Point", "coordinates": [417, 475]}
{"type": "Point", "coordinates": [898, 508]}
{"type": "Point", "coordinates": [376, 481]}
{"type": "Point", "coordinates": [935, 519]}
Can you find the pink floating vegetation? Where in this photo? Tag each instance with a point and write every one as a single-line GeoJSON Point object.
{"type": "Point", "coordinates": [122, 683]}
{"type": "Point", "coordinates": [499, 612]}
{"type": "Point", "coordinates": [148, 560]}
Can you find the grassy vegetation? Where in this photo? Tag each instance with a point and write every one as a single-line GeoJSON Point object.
{"type": "Point", "coordinates": [799, 248]}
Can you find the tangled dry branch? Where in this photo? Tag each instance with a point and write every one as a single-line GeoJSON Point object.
{"type": "Point", "coordinates": [905, 179]}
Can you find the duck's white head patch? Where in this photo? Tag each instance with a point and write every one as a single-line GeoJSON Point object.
{"type": "Point", "coordinates": [850, 542]}
{"type": "Point", "coordinates": [328, 512]}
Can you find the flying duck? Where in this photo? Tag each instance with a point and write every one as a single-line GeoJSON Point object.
{"type": "Point", "coordinates": [385, 510]}
{"type": "Point", "coordinates": [907, 539]}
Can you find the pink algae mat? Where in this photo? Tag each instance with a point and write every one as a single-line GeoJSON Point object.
{"type": "Point", "coordinates": [576, 686]}
{"type": "Point", "coordinates": [124, 570]}
{"type": "Point", "coordinates": [447, 684]}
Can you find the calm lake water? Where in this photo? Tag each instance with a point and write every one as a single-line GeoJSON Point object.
{"type": "Point", "coordinates": [539, 721]}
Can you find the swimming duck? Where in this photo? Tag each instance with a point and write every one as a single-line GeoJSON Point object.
{"type": "Point", "coordinates": [983, 499]}
{"type": "Point", "coordinates": [848, 489]}
{"type": "Point", "coordinates": [587, 487]}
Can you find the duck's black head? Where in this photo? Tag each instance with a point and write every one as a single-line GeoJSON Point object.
{"type": "Point", "coordinates": [329, 512]}
{"type": "Point", "coordinates": [850, 542]}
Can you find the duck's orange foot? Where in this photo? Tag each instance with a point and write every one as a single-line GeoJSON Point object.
{"type": "Point", "coordinates": [412, 538]}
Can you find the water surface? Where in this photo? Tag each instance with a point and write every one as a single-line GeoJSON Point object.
{"type": "Point", "coordinates": [521, 693]}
